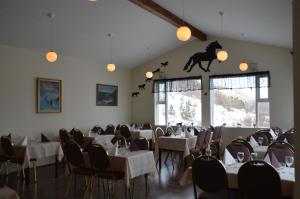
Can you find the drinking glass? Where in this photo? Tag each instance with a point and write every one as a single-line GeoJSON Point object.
{"type": "Point", "coordinates": [253, 156]}
{"type": "Point", "coordinates": [240, 156]}
{"type": "Point", "coordinates": [289, 160]}
{"type": "Point", "coordinates": [260, 141]}
{"type": "Point", "coordinates": [208, 152]}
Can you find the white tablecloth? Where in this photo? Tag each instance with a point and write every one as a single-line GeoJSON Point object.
{"type": "Point", "coordinates": [176, 143]}
{"type": "Point", "coordinates": [45, 149]}
{"type": "Point", "coordinates": [261, 151]}
{"type": "Point", "coordinates": [134, 164]}
{"type": "Point", "coordinates": [103, 140]}
{"type": "Point", "coordinates": [8, 193]}
{"type": "Point", "coordinates": [146, 133]}
{"type": "Point", "coordinates": [287, 176]}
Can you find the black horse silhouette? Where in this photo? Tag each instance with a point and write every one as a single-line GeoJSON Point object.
{"type": "Point", "coordinates": [142, 86]}
{"type": "Point", "coordinates": [209, 55]}
{"type": "Point", "coordinates": [148, 79]}
{"type": "Point", "coordinates": [156, 71]}
{"type": "Point", "coordinates": [135, 94]}
{"type": "Point", "coordinates": [164, 64]}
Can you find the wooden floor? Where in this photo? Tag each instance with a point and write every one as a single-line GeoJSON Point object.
{"type": "Point", "coordinates": [164, 185]}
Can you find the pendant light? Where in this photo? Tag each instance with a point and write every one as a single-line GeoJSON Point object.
{"type": "Point", "coordinates": [243, 66]}
{"type": "Point", "coordinates": [222, 55]}
{"type": "Point", "coordinates": [183, 33]}
{"type": "Point", "coordinates": [149, 74]}
{"type": "Point", "coordinates": [110, 67]}
{"type": "Point", "coordinates": [51, 56]}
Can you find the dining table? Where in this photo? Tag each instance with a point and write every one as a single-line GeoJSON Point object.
{"type": "Point", "coordinates": [178, 143]}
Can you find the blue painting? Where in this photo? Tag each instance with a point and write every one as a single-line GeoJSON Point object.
{"type": "Point", "coordinates": [106, 95]}
{"type": "Point", "coordinates": [48, 95]}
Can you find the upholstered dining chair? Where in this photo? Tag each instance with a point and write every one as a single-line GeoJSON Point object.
{"type": "Point", "coordinates": [169, 131]}
{"type": "Point", "coordinates": [76, 166]}
{"type": "Point", "coordinates": [259, 180]}
{"type": "Point", "coordinates": [158, 132]}
{"type": "Point", "coordinates": [100, 163]}
{"type": "Point", "coordinates": [210, 176]}
{"type": "Point", "coordinates": [78, 137]}
{"type": "Point", "coordinates": [120, 139]}
{"type": "Point", "coordinates": [197, 151]}
{"type": "Point", "coordinates": [109, 130]}
{"type": "Point", "coordinates": [265, 134]}
{"type": "Point", "coordinates": [288, 137]}
{"type": "Point", "coordinates": [125, 132]}
{"type": "Point", "coordinates": [238, 146]}
{"type": "Point", "coordinates": [11, 154]}
{"type": "Point", "coordinates": [277, 152]}
{"type": "Point", "coordinates": [141, 143]}
{"type": "Point", "coordinates": [147, 126]}
{"type": "Point", "coordinates": [64, 136]}
{"type": "Point", "coordinates": [97, 130]}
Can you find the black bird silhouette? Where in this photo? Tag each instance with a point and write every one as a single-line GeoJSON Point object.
{"type": "Point", "coordinates": [164, 64]}
{"type": "Point", "coordinates": [156, 71]}
{"type": "Point", "coordinates": [135, 94]}
{"type": "Point", "coordinates": [142, 86]}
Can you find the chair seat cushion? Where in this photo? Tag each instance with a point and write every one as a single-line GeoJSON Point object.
{"type": "Point", "coordinates": [83, 171]}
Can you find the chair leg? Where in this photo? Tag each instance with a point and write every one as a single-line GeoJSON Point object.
{"type": "Point", "coordinates": [166, 159]}
{"type": "Point", "coordinates": [6, 169]}
{"type": "Point", "coordinates": [68, 186]}
{"type": "Point", "coordinates": [34, 169]}
{"type": "Point", "coordinates": [146, 185]}
{"type": "Point", "coordinates": [23, 173]}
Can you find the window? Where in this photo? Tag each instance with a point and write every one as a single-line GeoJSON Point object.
{"type": "Point", "coordinates": [240, 100]}
{"type": "Point", "coordinates": [178, 100]}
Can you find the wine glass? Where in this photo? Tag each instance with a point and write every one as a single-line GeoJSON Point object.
{"type": "Point", "coordinates": [240, 156]}
{"type": "Point", "coordinates": [260, 141]}
{"type": "Point", "coordinates": [289, 160]}
{"type": "Point", "coordinates": [253, 156]}
{"type": "Point", "coordinates": [208, 152]}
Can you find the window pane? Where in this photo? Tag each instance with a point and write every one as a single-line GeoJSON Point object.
{"type": "Point", "coordinates": [263, 114]}
{"type": "Point", "coordinates": [160, 114]}
{"type": "Point", "coordinates": [235, 107]}
{"type": "Point", "coordinates": [161, 94]}
{"type": "Point", "coordinates": [263, 92]}
{"type": "Point", "coordinates": [184, 107]}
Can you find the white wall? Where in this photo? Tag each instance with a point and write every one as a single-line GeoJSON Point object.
{"type": "Point", "coordinates": [277, 60]}
{"type": "Point", "coordinates": [18, 70]}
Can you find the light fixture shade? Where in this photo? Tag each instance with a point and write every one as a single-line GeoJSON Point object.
{"type": "Point", "coordinates": [111, 67]}
{"type": "Point", "coordinates": [243, 66]}
{"type": "Point", "coordinates": [149, 74]}
{"type": "Point", "coordinates": [183, 33]}
{"type": "Point", "coordinates": [222, 55]}
{"type": "Point", "coordinates": [51, 56]}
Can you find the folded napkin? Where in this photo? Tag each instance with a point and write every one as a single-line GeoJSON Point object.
{"type": "Point", "coordinates": [44, 138]}
{"type": "Point", "coordinates": [267, 159]}
{"type": "Point", "coordinates": [273, 134]}
{"type": "Point", "coordinates": [188, 134]}
{"type": "Point", "coordinates": [253, 142]}
{"type": "Point", "coordinates": [114, 150]}
{"type": "Point", "coordinates": [228, 159]}
{"type": "Point", "coordinates": [24, 141]}
{"type": "Point", "coordinates": [275, 161]}
{"type": "Point", "coordinates": [285, 140]}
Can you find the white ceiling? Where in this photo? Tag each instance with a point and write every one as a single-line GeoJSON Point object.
{"type": "Point", "coordinates": [80, 28]}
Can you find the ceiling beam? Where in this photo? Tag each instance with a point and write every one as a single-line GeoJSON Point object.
{"type": "Point", "coordinates": [165, 14]}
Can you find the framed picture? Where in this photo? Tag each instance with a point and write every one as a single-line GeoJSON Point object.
{"type": "Point", "coordinates": [106, 95]}
{"type": "Point", "coordinates": [48, 94]}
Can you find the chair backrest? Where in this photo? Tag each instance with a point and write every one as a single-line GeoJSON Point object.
{"type": "Point", "coordinates": [78, 137]}
{"type": "Point", "coordinates": [266, 140]}
{"type": "Point", "coordinates": [217, 133]}
{"type": "Point", "coordinates": [159, 132]}
{"type": "Point", "coordinates": [7, 146]}
{"type": "Point", "coordinates": [277, 130]}
{"type": "Point", "coordinates": [259, 180]}
{"type": "Point", "coordinates": [72, 131]}
{"type": "Point", "coordinates": [200, 138]}
{"type": "Point", "coordinates": [208, 136]}
{"type": "Point", "coordinates": [125, 132]}
{"type": "Point", "coordinates": [169, 131]}
{"type": "Point", "coordinates": [73, 154]}
{"type": "Point", "coordinates": [244, 142]}
{"type": "Point", "coordinates": [98, 157]}
{"type": "Point", "coordinates": [119, 138]}
{"type": "Point", "coordinates": [64, 136]}
{"type": "Point", "coordinates": [209, 174]}
{"type": "Point", "coordinates": [147, 126]}
{"type": "Point", "coordinates": [97, 130]}
{"type": "Point", "coordinates": [290, 137]}
{"type": "Point", "coordinates": [110, 129]}
{"type": "Point", "coordinates": [141, 143]}
{"type": "Point", "coordinates": [280, 149]}
{"type": "Point", "coordinates": [235, 147]}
